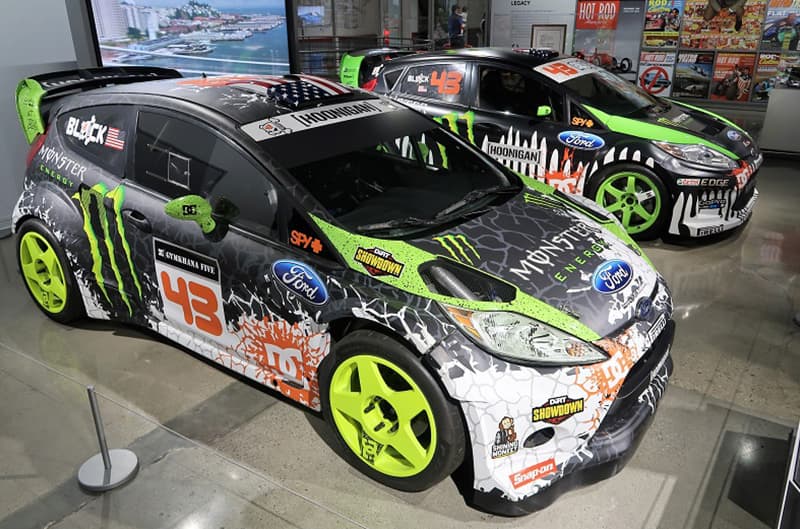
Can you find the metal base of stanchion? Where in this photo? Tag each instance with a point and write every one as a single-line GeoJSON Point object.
{"type": "Point", "coordinates": [94, 477]}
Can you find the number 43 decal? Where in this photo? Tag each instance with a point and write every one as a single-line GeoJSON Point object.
{"type": "Point", "coordinates": [447, 82]}
{"type": "Point", "coordinates": [199, 303]}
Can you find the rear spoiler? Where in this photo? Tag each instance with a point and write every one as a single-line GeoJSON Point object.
{"type": "Point", "coordinates": [33, 91]}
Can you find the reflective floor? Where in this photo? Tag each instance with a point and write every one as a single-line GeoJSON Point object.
{"type": "Point", "coordinates": [216, 452]}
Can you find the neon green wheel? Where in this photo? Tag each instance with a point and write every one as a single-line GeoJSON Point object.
{"type": "Point", "coordinates": [382, 415]}
{"type": "Point", "coordinates": [635, 198]}
{"type": "Point", "coordinates": [42, 271]}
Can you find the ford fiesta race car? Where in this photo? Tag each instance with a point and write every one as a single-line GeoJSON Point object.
{"type": "Point", "coordinates": [661, 166]}
{"type": "Point", "coordinates": [358, 258]}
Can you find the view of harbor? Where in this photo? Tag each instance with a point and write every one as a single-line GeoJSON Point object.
{"type": "Point", "coordinates": [220, 36]}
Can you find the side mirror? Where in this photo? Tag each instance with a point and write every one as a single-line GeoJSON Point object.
{"type": "Point", "coordinates": [544, 111]}
{"type": "Point", "coordinates": [192, 207]}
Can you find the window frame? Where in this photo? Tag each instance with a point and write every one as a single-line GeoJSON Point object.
{"type": "Point", "coordinates": [466, 87]}
{"type": "Point", "coordinates": [530, 74]}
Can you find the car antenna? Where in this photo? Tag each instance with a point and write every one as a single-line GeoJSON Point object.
{"type": "Point", "coordinates": [204, 75]}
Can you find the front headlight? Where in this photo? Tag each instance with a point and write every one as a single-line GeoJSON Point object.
{"type": "Point", "coordinates": [518, 338]}
{"type": "Point", "coordinates": [698, 154]}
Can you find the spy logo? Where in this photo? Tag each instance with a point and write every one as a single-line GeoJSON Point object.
{"type": "Point", "coordinates": [370, 448]}
{"type": "Point", "coordinates": [189, 210]}
{"type": "Point", "coordinates": [459, 247]}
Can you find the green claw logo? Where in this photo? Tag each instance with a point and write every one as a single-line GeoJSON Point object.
{"type": "Point", "coordinates": [93, 199]}
{"type": "Point", "coordinates": [543, 201]}
{"type": "Point", "coordinates": [459, 247]}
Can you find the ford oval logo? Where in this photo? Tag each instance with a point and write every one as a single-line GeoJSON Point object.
{"type": "Point", "coordinates": [581, 140]}
{"type": "Point", "coordinates": [302, 280]}
{"type": "Point", "coordinates": [612, 276]}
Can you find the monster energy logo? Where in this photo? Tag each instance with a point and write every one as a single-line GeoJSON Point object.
{"type": "Point", "coordinates": [459, 247]}
{"type": "Point", "coordinates": [96, 195]}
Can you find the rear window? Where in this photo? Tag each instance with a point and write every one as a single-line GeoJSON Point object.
{"type": "Point", "coordinates": [99, 135]}
{"type": "Point", "coordinates": [442, 82]}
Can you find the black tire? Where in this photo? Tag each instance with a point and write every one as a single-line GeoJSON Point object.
{"type": "Point", "coordinates": [625, 65]}
{"type": "Point", "coordinates": [72, 308]}
{"type": "Point", "coordinates": [664, 210]}
{"type": "Point", "coordinates": [450, 443]}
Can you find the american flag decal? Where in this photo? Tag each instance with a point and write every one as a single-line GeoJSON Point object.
{"type": "Point", "coordinates": [114, 139]}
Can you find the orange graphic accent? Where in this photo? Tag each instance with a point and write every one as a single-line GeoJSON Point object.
{"type": "Point", "coordinates": [286, 357]}
{"type": "Point", "coordinates": [605, 379]}
{"type": "Point", "coordinates": [560, 68]}
{"type": "Point", "coordinates": [742, 174]}
{"type": "Point", "coordinates": [566, 180]}
{"type": "Point", "coordinates": [301, 240]}
{"type": "Point", "coordinates": [222, 80]}
{"type": "Point", "coordinates": [448, 83]}
{"type": "Point", "coordinates": [532, 473]}
{"type": "Point", "coordinates": [200, 310]}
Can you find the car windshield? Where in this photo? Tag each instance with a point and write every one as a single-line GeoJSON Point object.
{"type": "Point", "coordinates": [404, 184]}
{"type": "Point", "coordinates": [611, 94]}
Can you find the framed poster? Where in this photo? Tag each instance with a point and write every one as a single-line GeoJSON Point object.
{"type": "Point", "coordinates": [655, 72]}
{"type": "Point", "coordinates": [733, 76]}
{"type": "Point", "coordinates": [708, 28]}
{"type": "Point", "coordinates": [552, 36]}
{"type": "Point", "coordinates": [782, 26]}
{"type": "Point", "coordinates": [693, 74]}
{"type": "Point", "coordinates": [214, 37]}
{"type": "Point", "coordinates": [771, 71]}
{"type": "Point", "coordinates": [662, 21]}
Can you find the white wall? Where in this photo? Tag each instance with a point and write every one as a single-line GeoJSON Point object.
{"type": "Point", "coordinates": [35, 38]}
{"type": "Point", "coordinates": [511, 20]}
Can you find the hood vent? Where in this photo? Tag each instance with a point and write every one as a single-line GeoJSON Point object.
{"type": "Point", "coordinates": [451, 279]}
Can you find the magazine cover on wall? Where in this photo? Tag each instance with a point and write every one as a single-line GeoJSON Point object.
{"type": "Point", "coordinates": [608, 34]}
{"type": "Point", "coordinates": [662, 21]}
{"type": "Point", "coordinates": [722, 24]}
{"type": "Point", "coordinates": [782, 26]}
{"type": "Point", "coordinates": [194, 36]}
{"type": "Point", "coordinates": [733, 76]}
{"type": "Point", "coordinates": [693, 73]}
{"type": "Point", "coordinates": [655, 72]}
{"type": "Point", "coordinates": [771, 71]}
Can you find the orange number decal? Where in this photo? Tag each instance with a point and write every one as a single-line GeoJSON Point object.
{"type": "Point", "coordinates": [204, 304]}
{"type": "Point", "coordinates": [448, 83]}
{"type": "Point", "coordinates": [557, 68]}
{"type": "Point", "coordinates": [201, 310]}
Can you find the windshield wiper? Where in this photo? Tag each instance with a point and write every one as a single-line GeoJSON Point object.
{"type": "Point", "coordinates": [406, 222]}
{"type": "Point", "coordinates": [475, 195]}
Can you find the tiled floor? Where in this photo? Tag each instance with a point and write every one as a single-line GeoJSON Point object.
{"type": "Point", "coordinates": [217, 452]}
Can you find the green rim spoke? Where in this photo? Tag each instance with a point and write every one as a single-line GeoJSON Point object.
{"type": "Point", "coordinates": [50, 260]}
{"type": "Point", "coordinates": [30, 272]}
{"type": "Point", "coordinates": [639, 210]}
{"type": "Point", "coordinates": [631, 186]}
{"type": "Point", "coordinates": [611, 190]}
{"type": "Point", "coordinates": [626, 217]}
{"type": "Point", "coordinates": [408, 446]}
{"type": "Point", "coordinates": [615, 206]}
{"type": "Point", "coordinates": [408, 403]}
{"type": "Point", "coordinates": [372, 382]}
{"type": "Point", "coordinates": [33, 248]}
{"type": "Point", "coordinates": [348, 403]}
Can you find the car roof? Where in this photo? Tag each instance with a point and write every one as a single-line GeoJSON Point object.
{"type": "Point", "coordinates": [243, 98]}
{"type": "Point", "coordinates": [521, 57]}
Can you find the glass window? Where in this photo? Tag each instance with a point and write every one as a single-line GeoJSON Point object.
{"type": "Point", "coordinates": [610, 93]}
{"type": "Point", "coordinates": [390, 78]}
{"type": "Point", "coordinates": [509, 91]}
{"type": "Point", "coordinates": [443, 82]}
{"type": "Point", "coordinates": [177, 157]}
{"type": "Point", "coordinates": [404, 184]}
{"type": "Point", "coordinates": [99, 134]}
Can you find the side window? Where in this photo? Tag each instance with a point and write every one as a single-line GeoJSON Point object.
{"type": "Point", "coordinates": [510, 91]}
{"type": "Point", "coordinates": [443, 82]}
{"type": "Point", "coordinates": [176, 157]}
{"type": "Point", "coordinates": [99, 134]}
{"type": "Point", "coordinates": [580, 118]}
{"type": "Point", "coordinates": [390, 78]}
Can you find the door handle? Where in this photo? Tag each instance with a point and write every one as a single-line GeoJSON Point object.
{"type": "Point", "coordinates": [137, 219]}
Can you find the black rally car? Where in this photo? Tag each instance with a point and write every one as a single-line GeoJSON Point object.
{"type": "Point", "coordinates": [659, 165]}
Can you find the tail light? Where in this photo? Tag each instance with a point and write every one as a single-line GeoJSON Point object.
{"type": "Point", "coordinates": [35, 147]}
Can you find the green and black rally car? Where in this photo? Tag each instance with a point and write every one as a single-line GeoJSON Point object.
{"type": "Point", "coordinates": [661, 166]}
{"type": "Point", "coordinates": [357, 257]}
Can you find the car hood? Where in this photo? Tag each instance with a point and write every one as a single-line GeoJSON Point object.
{"type": "Point", "coordinates": [555, 254]}
{"type": "Point", "coordinates": [703, 124]}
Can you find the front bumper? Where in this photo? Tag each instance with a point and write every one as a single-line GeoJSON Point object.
{"type": "Point", "coordinates": [701, 211]}
{"type": "Point", "coordinates": [613, 444]}
{"type": "Point", "coordinates": [536, 432]}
